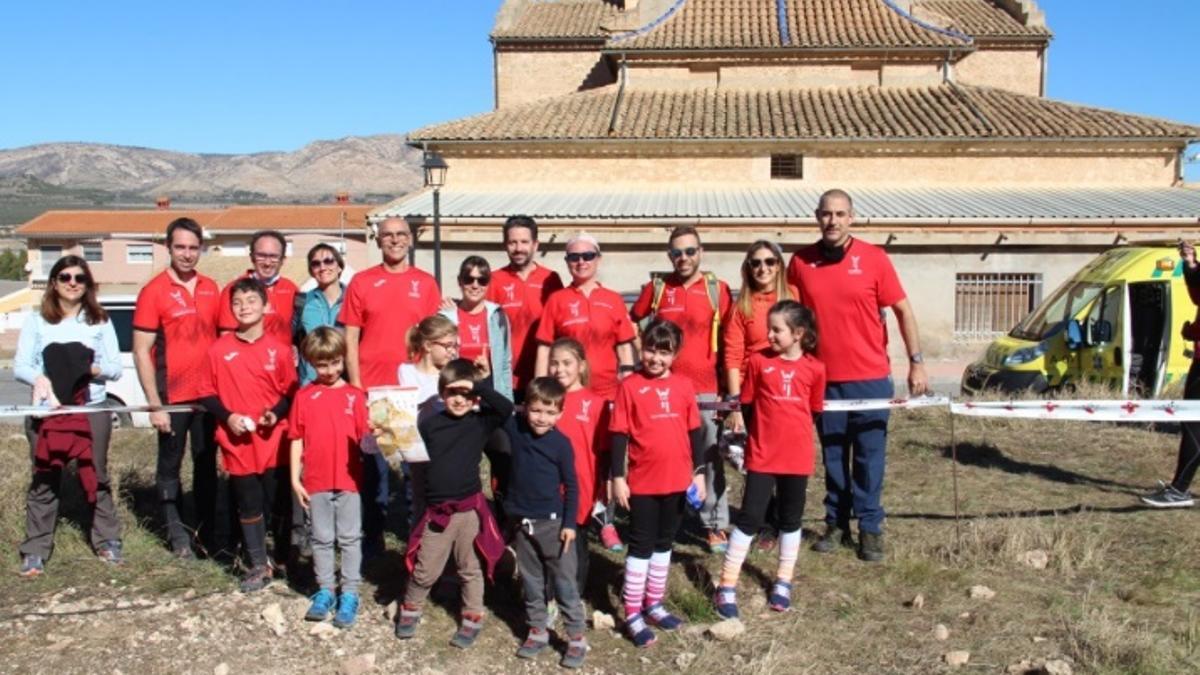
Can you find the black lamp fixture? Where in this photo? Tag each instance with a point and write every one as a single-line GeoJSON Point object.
{"type": "Point", "coordinates": [435, 177]}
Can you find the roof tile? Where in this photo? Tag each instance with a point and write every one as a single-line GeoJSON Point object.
{"type": "Point", "coordinates": [978, 18]}
{"type": "Point", "coordinates": [235, 218]}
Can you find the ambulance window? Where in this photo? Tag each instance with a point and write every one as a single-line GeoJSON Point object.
{"type": "Point", "coordinates": [1109, 312]}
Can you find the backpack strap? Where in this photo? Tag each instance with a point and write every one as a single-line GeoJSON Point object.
{"type": "Point", "coordinates": [659, 286]}
{"type": "Point", "coordinates": [714, 298]}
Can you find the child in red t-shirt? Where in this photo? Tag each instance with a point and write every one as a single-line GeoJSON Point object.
{"type": "Point", "coordinates": [658, 456]}
{"type": "Point", "coordinates": [783, 388]}
{"type": "Point", "coordinates": [326, 425]}
{"type": "Point", "coordinates": [248, 382]}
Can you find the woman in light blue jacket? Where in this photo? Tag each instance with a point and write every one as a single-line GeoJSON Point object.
{"type": "Point", "coordinates": [69, 313]}
{"type": "Point", "coordinates": [482, 325]}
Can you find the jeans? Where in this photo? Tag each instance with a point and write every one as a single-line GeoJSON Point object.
{"type": "Point", "coordinates": [854, 447]}
{"type": "Point", "coordinates": [714, 514]}
{"type": "Point", "coordinates": [337, 517]}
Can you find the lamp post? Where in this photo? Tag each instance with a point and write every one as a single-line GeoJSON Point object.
{"type": "Point", "coordinates": [435, 177]}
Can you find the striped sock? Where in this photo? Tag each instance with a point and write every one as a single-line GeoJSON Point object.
{"type": "Point", "coordinates": [656, 584]}
{"type": "Point", "coordinates": [789, 550]}
{"type": "Point", "coordinates": [735, 555]}
{"type": "Point", "coordinates": [634, 590]}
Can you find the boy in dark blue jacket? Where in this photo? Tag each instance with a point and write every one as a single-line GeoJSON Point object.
{"type": "Point", "coordinates": [541, 503]}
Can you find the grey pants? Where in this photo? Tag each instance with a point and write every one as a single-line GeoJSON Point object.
{"type": "Point", "coordinates": [714, 515]}
{"type": "Point", "coordinates": [541, 554]}
{"type": "Point", "coordinates": [41, 502]}
{"type": "Point", "coordinates": [337, 516]}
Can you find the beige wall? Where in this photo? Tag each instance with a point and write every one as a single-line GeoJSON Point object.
{"type": "Point", "coordinates": [1015, 70]}
{"type": "Point", "coordinates": [522, 77]}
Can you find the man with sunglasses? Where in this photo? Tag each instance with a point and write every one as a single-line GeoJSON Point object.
{"type": "Point", "coordinates": [848, 283]}
{"type": "Point", "coordinates": [698, 302]}
{"type": "Point", "coordinates": [380, 305]}
{"type": "Point", "coordinates": [268, 250]}
{"type": "Point", "coordinates": [522, 288]}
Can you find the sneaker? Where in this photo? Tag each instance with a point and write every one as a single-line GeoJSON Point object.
{"type": "Point", "coordinates": [347, 611]}
{"type": "Point", "coordinates": [322, 605]}
{"type": "Point", "coordinates": [639, 632]}
{"type": "Point", "coordinates": [780, 599]}
{"type": "Point", "coordinates": [32, 566]}
{"type": "Point", "coordinates": [535, 643]}
{"type": "Point", "coordinates": [256, 579]}
{"type": "Point", "coordinates": [725, 600]}
{"type": "Point", "coordinates": [1167, 497]}
{"type": "Point", "coordinates": [870, 547]}
{"type": "Point", "coordinates": [659, 617]}
{"type": "Point", "coordinates": [718, 541]}
{"type": "Point", "coordinates": [610, 539]}
{"type": "Point", "coordinates": [110, 552]}
{"type": "Point", "coordinates": [184, 552]}
{"type": "Point", "coordinates": [468, 631]}
{"type": "Point", "coordinates": [577, 649]}
{"type": "Point", "coordinates": [406, 623]}
{"type": "Point", "coordinates": [833, 537]}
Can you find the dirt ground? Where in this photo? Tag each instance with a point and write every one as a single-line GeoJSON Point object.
{"type": "Point", "coordinates": [1118, 591]}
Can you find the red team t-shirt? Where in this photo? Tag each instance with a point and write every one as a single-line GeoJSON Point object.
{"type": "Point", "coordinates": [250, 378]}
{"type": "Point", "coordinates": [281, 304]}
{"type": "Point", "coordinates": [657, 414]}
{"type": "Point", "coordinates": [472, 334]}
{"type": "Point", "coordinates": [384, 305]}
{"type": "Point", "coordinates": [848, 299]}
{"type": "Point", "coordinates": [585, 422]}
{"type": "Point", "coordinates": [522, 301]}
{"type": "Point", "coordinates": [785, 395]}
{"type": "Point", "coordinates": [185, 325]}
{"type": "Point", "coordinates": [599, 321]}
{"type": "Point", "coordinates": [691, 309]}
{"type": "Point", "coordinates": [331, 421]}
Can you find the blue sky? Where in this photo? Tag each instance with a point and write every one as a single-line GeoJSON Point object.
{"type": "Point", "coordinates": [273, 75]}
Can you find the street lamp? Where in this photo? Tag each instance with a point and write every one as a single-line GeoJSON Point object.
{"type": "Point", "coordinates": [435, 177]}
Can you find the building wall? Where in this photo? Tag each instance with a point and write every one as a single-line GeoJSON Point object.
{"type": "Point", "coordinates": [1015, 70]}
{"type": "Point", "coordinates": [522, 77]}
{"type": "Point", "coordinates": [775, 75]}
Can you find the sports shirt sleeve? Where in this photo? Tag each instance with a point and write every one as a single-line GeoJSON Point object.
{"type": "Point", "coordinates": [566, 475]}
{"type": "Point", "coordinates": [816, 396]}
{"type": "Point", "coordinates": [296, 419]}
{"type": "Point", "coordinates": [733, 340]}
{"type": "Point", "coordinates": [109, 358]}
{"type": "Point", "coordinates": [352, 306]}
{"type": "Point", "coordinates": [889, 289]}
{"type": "Point", "coordinates": [624, 327]}
{"type": "Point", "coordinates": [225, 320]}
{"type": "Point", "coordinates": [641, 306]}
{"type": "Point", "coordinates": [750, 381]}
{"type": "Point", "coordinates": [545, 331]}
{"type": "Point", "coordinates": [146, 317]}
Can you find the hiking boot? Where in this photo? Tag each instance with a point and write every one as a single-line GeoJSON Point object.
{"type": "Point", "coordinates": [870, 547]}
{"type": "Point", "coordinates": [717, 541]}
{"type": "Point", "coordinates": [833, 537]}
{"type": "Point", "coordinates": [110, 552]}
{"type": "Point", "coordinates": [347, 611]}
{"type": "Point", "coordinates": [468, 631]}
{"type": "Point", "coordinates": [535, 643]}
{"type": "Point", "coordinates": [322, 605]}
{"type": "Point", "coordinates": [1167, 497]}
{"type": "Point", "coordinates": [256, 579]}
{"type": "Point", "coordinates": [611, 539]}
{"type": "Point", "coordinates": [406, 623]}
{"type": "Point", "coordinates": [576, 651]}
{"type": "Point", "coordinates": [32, 566]}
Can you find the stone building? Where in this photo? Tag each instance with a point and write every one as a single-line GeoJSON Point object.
{"type": "Point", "coordinates": [627, 118]}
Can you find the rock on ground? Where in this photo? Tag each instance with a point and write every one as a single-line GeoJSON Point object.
{"type": "Point", "coordinates": [1037, 559]}
{"type": "Point", "coordinates": [323, 630]}
{"type": "Point", "coordinates": [272, 615]}
{"type": "Point", "coordinates": [941, 633]}
{"type": "Point", "coordinates": [982, 593]}
{"type": "Point", "coordinates": [918, 602]}
{"type": "Point", "coordinates": [957, 658]}
{"type": "Point", "coordinates": [726, 630]}
{"type": "Point", "coordinates": [357, 665]}
{"type": "Point", "coordinates": [603, 621]}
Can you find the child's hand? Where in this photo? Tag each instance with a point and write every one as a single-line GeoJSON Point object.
{"type": "Point", "coordinates": [620, 492]}
{"type": "Point", "coordinates": [268, 419]}
{"type": "Point", "coordinates": [567, 537]}
{"type": "Point", "coordinates": [735, 422]}
{"type": "Point", "coordinates": [302, 495]}
{"type": "Point", "coordinates": [240, 424]}
{"type": "Point", "coordinates": [698, 481]}
{"type": "Point", "coordinates": [484, 364]}
{"type": "Point", "coordinates": [449, 303]}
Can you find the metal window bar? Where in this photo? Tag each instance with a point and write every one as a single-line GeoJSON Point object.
{"type": "Point", "coordinates": [989, 305]}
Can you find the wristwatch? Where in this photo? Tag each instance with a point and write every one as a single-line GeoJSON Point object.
{"type": "Point", "coordinates": [916, 358]}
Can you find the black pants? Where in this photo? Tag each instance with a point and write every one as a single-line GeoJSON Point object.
{"type": "Point", "coordinates": [1189, 443]}
{"type": "Point", "coordinates": [653, 522]}
{"type": "Point", "coordinates": [199, 427]}
{"type": "Point", "coordinates": [583, 558]}
{"type": "Point", "coordinates": [255, 494]}
{"type": "Point", "coordinates": [789, 501]}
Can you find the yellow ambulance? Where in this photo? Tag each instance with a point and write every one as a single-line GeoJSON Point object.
{"type": "Point", "coordinates": [1118, 322]}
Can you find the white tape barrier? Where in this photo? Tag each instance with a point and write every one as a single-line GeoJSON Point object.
{"type": "Point", "coordinates": [41, 411]}
{"type": "Point", "coordinates": [1087, 411]}
{"type": "Point", "coordinates": [861, 405]}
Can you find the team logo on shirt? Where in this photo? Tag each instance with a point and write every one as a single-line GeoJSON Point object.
{"type": "Point", "coordinates": [350, 404]}
{"type": "Point", "coordinates": [415, 289]}
{"type": "Point", "coordinates": [177, 296]}
{"type": "Point", "coordinates": [670, 295]}
{"type": "Point", "coordinates": [664, 399]}
{"type": "Point", "coordinates": [768, 370]}
{"type": "Point", "coordinates": [231, 356]}
{"type": "Point", "coordinates": [270, 365]}
{"type": "Point", "coordinates": [584, 412]}
{"type": "Point", "coordinates": [787, 376]}
{"type": "Point", "coordinates": [475, 330]}
{"type": "Point", "coordinates": [854, 268]}
{"type": "Point", "coordinates": [574, 308]}
{"type": "Point", "coordinates": [510, 292]}
{"type": "Point", "coordinates": [316, 395]}
{"type": "Point", "coordinates": [380, 282]}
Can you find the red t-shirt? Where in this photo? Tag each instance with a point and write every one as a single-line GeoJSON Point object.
{"type": "Point", "coordinates": [384, 305]}
{"type": "Point", "coordinates": [744, 335]}
{"type": "Point", "coordinates": [584, 422]}
{"type": "Point", "coordinates": [472, 334]}
{"type": "Point", "coordinates": [281, 304]}
{"type": "Point", "coordinates": [250, 378]}
{"type": "Point", "coordinates": [785, 395]}
{"type": "Point", "coordinates": [600, 323]}
{"type": "Point", "coordinates": [331, 421]}
{"type": "Point", "coordinates": [848, 299]}
{"type": "Point", "coordinates": [657, 414]}
{"type": "Point", "coordinates": [691, 309]}
{"type": "Point", "coordinates": [522, 301]}
{"type": "Point", "coordinates": [185, 325]}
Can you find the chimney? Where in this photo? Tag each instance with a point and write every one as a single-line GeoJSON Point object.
{"type": "Point", "coordinates": [163, 202]}
{"type": "Point", "coordinates": [342, 197]}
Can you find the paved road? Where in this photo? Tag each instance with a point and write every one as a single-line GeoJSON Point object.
{"type": "Point", "coordinates": [11, 391]}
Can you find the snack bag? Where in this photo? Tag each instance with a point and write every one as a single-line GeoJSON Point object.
{"type": "Point", "coordinates": [394, 411]}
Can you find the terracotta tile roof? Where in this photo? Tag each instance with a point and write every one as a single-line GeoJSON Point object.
{"type": "Point", "coordinates": [292, 217]}
{"type": "Point", "coordinates": [567, 19]}
{"type": "Point", "coordinates": [978, 18]}
{"type": "Point", "coordinates": [847, 113]}
{"type": "Point", "coordinates": [248, 218]}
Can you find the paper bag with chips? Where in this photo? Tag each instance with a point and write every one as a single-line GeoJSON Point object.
{"type": "Point", "coordinates": [393, 410]}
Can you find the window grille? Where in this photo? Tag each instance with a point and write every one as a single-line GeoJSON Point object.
{"type": "Point", "coordinates": [989, 305]}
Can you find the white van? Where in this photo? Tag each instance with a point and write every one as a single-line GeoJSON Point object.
{"type": "Point", "coordinates": [127, 390]}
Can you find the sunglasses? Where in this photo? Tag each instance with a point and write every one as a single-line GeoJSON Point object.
{"type": "Point", "coordinates": [456, 391]}
{"type": "Point", "coordinates": [466, 280]}
{"type": "Point", "coordinates": [586, 256]}
{"type": "Point", "coordinates": [316, 263]}
{"type": "Point", "coordinates": [756, 263]}
{"type": "Point", "coordinates": [677, 253]}
{"type": "Point", "coordinates": [67, 277]}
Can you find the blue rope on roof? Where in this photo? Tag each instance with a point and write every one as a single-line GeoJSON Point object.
{"type": "Point", "coordinates": [652, 25]}
{"type": "Point", "coordinates": [782, 15]}
{"type": "Point", "coordinates": [948, 32]}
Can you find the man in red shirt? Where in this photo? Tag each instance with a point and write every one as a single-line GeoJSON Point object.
{"type": "Point", "coordinates": [268, 249]}
{"type": "Point", "coordinates": [848, 283]}
{"type": "Point", "coordinates": [522, 288]}
{"type": "Point", "coordinates": [174, 323]}
{"type": "Point", "coordinates": [379, 306]}
{"type": "Point", "coordinates": [698, 303]}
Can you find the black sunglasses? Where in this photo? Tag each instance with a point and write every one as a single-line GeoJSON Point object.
{"type": "Point", "coordinates": [677, 253]}
{"type": "Point", "coordinates": [318, 262]}
{"type": "Point", "coordinates": [586, 256]}
{"type": "Point", "coordinates": [467, 280]}
{"type": "Point", "coordinates": [66, 277]}
{"type": "Point", "coordinates": [756, 263]}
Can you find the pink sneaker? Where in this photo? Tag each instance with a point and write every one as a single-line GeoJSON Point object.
{"type": "Point", "coordinates": [610, 538]}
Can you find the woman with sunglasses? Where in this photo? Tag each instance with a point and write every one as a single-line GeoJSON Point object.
{"type": "Point", "coordinates": [318, 306]}
{"type": "Point", "coordinates": [72, 340]}
{"type": "Point", "coordinates": [483, 334]}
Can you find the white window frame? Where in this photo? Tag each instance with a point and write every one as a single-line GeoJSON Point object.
{"type": "Point", "coordinates": [49, 255]}
{"type": "Point", "coordinates": [98, 247]}
{"type": "Point", "coordinates": [129, 254]}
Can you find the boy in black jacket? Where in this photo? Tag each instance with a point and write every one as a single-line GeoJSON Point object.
{"type": "Point", "coordinates": [541, 504]}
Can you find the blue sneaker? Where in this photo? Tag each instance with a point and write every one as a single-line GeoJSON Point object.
{"type": "Point", "coordinates": [322, 605]}
{"type": "Point", "coordinates": [780, 599]}
{"type": "Point", "coordinates": [32, 566]}
{"type": "Point", "coordinates": [639, 632]}
{"type": "Point", "coordinates": [725, 600]}
{"type": "Point", "coordinates": [347, 611]}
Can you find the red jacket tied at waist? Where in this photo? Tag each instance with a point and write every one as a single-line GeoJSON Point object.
{"type": "Point", "coordinates": [489, 542]}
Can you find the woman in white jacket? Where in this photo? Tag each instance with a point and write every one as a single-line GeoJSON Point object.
{"type": "Point", "coordinates": [483, 333]}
